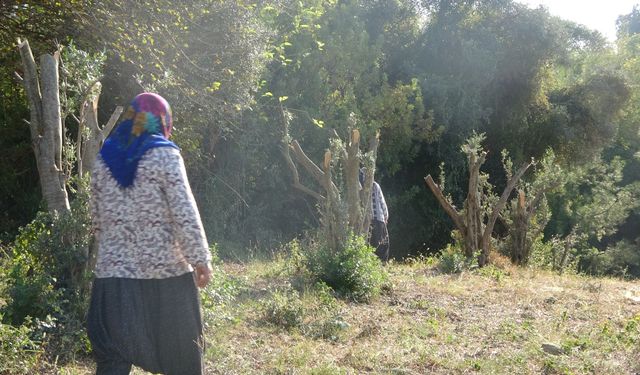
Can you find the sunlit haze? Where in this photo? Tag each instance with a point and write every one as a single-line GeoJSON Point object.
{"type": "Point", "coordinates": [595, 14]}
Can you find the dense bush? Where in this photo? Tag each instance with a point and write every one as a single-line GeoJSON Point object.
{"type": "Point", "coordinates": [354, 272]}
{"type": "Point", "coordinates": [46, 282]}
{"type": "Point", "coordinates": [621, 259]}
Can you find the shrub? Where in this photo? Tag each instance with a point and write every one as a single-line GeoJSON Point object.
{"type": "Point", "coordinates": [18, 351]}
{"type": "Point", "coordinates": [621, 259]}
{"type": "Point", "coordinates": [46, 279]}
{"type": "Point", "coordinates": [284, 309]}
{"type": "Point", "coordinates": [219, 293]}
{"type": "Point", "coordinates": [324, 319]}
{"type": "Point", "coordinates": [452, 260]}
{"type": "Point", "coordinates": [315, 312]}
{"type": "Point", "coordinates": [354, 272]}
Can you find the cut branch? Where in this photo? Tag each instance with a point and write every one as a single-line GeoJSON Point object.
{"type": "Point", "coordinates": [448, 208]}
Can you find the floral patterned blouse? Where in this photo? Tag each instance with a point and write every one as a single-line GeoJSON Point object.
{"type": "Point", "coordinates": [152, 229]}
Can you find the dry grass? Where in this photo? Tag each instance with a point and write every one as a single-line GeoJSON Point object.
{"type": "Point", "coordinates": [491, 321]}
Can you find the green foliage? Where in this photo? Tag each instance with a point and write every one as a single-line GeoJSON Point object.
{"type": "Point", "coordinates": [453, 260]}
{"type": "Point", "coordinates": [324, 315]}
{"type": "Point", "coordinates": [426, 74]}
{"type": "Point", "coordinates": [47, 282]}
{"type": "Point", "coordinates": [493, 272]}
{"type": "Point", "coordinates": [314, 312]}
{"type": "Point", "coordinates": [546, 254]}
{"type": "Point", "coordinates": [219, 294]}
{"type": "Point", "coordinates": [621, 259]}
{"type": "Point", "coordinates": [354, 272]}
{"type": "Point", "coordinates": [528, 213]}
{"type": "Point", "coordinates": [19, 352]}
{"type": "Point", "coordinates": [79, 71]}
{"type": "Point", "coordinates": [284, 309]}
{"type": "Point", "coordinates": [591, 205]}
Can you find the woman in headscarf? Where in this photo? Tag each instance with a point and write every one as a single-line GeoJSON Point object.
{"type": "Point", "coordinates": [152, 250]}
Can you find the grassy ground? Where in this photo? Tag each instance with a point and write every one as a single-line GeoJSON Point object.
{"type": "Point", "coordinates": [489, 321]}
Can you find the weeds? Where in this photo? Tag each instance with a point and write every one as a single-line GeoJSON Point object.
{"type": "Point", "coordinates": [452, 260]}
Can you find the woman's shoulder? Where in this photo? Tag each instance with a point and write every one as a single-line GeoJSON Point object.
{"type": "Point", "coordinates": [162, 155]}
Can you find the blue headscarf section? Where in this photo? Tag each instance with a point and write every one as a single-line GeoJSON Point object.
{"type": "Point", "coordinates": [146, 125]}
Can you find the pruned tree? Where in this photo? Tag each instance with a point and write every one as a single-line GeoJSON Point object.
{"type": "Point", "coordinates": [476, 220]}
{"type": "Point", "coordinates": [52, 97]}
{"type": "Point", "coordinates": [45, 124]}
{"type": "Point", "coordinates": [528, 213]}
{"type": "Point", "coordinates": [345, 205]}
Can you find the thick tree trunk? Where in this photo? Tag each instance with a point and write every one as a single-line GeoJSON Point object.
{"type": "Point", "coordinates": [46, 125]}
{"type": "Point", "coordinates": [473, 235]}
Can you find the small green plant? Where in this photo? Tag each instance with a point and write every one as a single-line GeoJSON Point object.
{"type": "Point", "coordinates": [452, 260]}
{"type": "Point", "coordinates": [19, 352]}
{"type": "Point", "coordinates": [284, 309]}
{"type": "Point", "coordinates": [324, 319]}
{"type": "Point", "coordinates": [295, 265]}
{"type": "Point", "coordinates": [493, 272]}
{"type": "Point", "coordinates": [219, 294]}
{"type": "Point", "coordinates": [354, 272]}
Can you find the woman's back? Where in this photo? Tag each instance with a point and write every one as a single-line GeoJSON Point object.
{"type": "Point", "coordinates": [151, 229]}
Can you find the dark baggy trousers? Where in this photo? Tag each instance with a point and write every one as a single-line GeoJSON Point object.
{"type": "Point", "coordinates": [380, 239]}
{"type": "Point", "coordinates": [154, 324]}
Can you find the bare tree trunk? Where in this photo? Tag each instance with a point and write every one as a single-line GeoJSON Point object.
{"type": "Point", "coordinates": [365, 193]}
{"type": "Point", "coordinates": [520, 250]}
{"type": "Point", "coordinates": [94, 136]}
{"type": "Point", "coordinates": [488, 230]}
{"type": "Point", "coordinates": [457, 218]}
{"type": "Point", "coordinates": [473, 236]}
{"type": "Point", "coordinates": [523, 211]}
{"type": "Point", "coordinates": [352, 169]}
{"type": "Point", "coordinates": [46, 125]}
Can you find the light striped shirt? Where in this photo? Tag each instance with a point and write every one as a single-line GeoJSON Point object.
{"type": "Point", "coordinates": [378, 204]}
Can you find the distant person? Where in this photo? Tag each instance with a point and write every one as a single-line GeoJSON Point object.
{"type": "Point", "coordinates": [380, 217]}
{"type": "Point", "coordinates": [145, 308]}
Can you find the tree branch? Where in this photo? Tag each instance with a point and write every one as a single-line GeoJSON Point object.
{"type": "Point", "coordinates": [511, 184]}
{"type": "Point", "coordinates": [112, 121]}
{"type": "Point", "coordinates": [448, 208]}
{"type": "Point", "coordinates": [32, 88]}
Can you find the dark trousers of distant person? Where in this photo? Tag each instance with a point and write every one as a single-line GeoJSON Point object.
{"type": "Point", "coordinates": [380, 239]}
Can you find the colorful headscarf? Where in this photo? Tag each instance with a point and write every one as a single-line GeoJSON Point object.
{"type": "Point", "coordinates": [146, 125]}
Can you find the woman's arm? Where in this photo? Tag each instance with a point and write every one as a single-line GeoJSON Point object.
{"type": "Point", "coordinates": [184, 212]}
